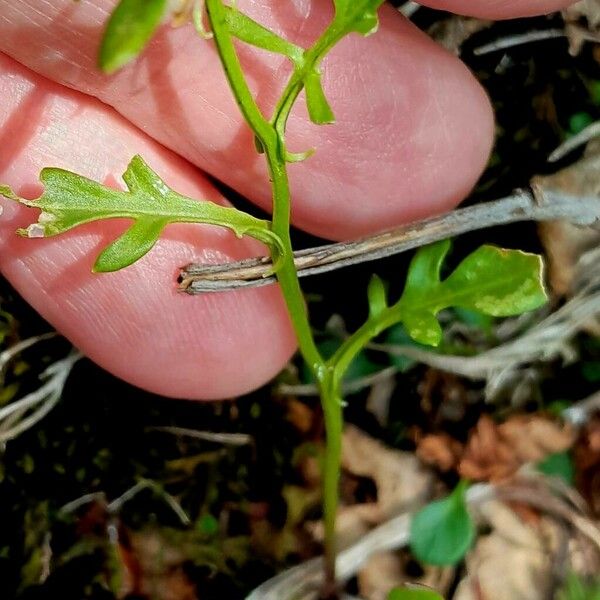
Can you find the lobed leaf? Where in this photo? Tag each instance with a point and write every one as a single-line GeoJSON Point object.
{"type": "Point", "coordinates": [8, 193]}
{"type": "Point", "coordinates": [442, 532]}
{"type": "Point", "coordinates": [249, 31]}
{"type": "Point", "coordinates": [359, 16]}
{"type": "Point", "coordinates": [70, 200]}
{"type": "Point", "coordinates": [350, 16]}
{"type": "Point", "coordinates": [319, 110]}
{"type": "Point", "coordinates": [130, 27]}
{"type": "Point", "coordinates": [377, 297]}
{"type": "Point", "coordinates": [491, 280]}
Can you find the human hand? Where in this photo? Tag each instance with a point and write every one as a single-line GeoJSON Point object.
{"type": "Point", "coordinates": [413, 133]}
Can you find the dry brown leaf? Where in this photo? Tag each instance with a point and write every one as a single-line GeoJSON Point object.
{"type": "Point", "coordinates": [534, 437]}
{"type": "Point", "coordinates": [587, 461]}
{"type": "Point", "coordinates": [588, 10]}
{"type": "Point", "coordinates": [514, 562]}
{"type": "Point", "coordinates": [401, 481]}
{"type": "Point", "coordinates": [495, 452]}
{"type": "Point", "coordinates": [487, 456]}
{"type": "Point", "coordinates": [162, 576]}
{"type": "Point", "coordinates": [386, 570]}
{"type": "Point", "coordinates": [566, 244]}
{"type": "Point", "coordinates": [453, 32]}
{"type": "Point", "coordinates": [440, 450]}
{"type": "Point", "coordinates": [382, 573]}
{"type": "Point", "coordinates": [300, 415]}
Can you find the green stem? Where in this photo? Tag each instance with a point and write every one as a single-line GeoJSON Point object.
{"type": "Point", "coordinates": [354, 344]}
{"type": "Point", "coordinates": [286, 273]}
{"type": "Point", "coordinates": [235, 76]}
{"type": "Point", "coordinates": [331, 401]}
{"type": "Point", "coordinates": [310, 63]}
{"type": "Point", "coordinates": [267, 135]}
{"type": "Point", "coordinates": [271, 137]}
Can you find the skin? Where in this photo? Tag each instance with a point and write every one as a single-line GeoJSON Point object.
{"type": "Point", "coordinates": [390, 158]}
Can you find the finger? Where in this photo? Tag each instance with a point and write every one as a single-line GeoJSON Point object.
{"type": "Point", "coordinates": [499, 9]}
{"type": "Point", "coordinates": [133, 323]}
{"type": "Point", "coordinates": [413, 129]}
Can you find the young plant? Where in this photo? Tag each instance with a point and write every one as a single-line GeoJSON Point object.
{"type": "Point", "coordinates": [443, 532]}
{"type": "Point", "coordinates": [493, 281]}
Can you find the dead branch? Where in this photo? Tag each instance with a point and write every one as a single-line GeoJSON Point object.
{"type": "Point", "coordinates": [524, 205]}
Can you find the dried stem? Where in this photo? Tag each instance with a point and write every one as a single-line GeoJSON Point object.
{"type": "Point", "coordinates": [525, 205]}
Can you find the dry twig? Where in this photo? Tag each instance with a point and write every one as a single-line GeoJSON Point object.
{"type": "Point", "coordinates": [537, 205]}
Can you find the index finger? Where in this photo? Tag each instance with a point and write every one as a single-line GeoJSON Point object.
{"type": "Point", "coordinates": [498, 9]}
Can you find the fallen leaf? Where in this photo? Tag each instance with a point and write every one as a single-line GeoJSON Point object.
{"type": "Point", "coordinates": [454, 31]}
{"type": "Point", "coordinates": [386, 571]}
{"type": "Point", "coordinates": [534, 437]}
{"type": "Point", "coordinates": [161, 572]}
{"type": "Point", "coordinates": [514, 562]}
{"type": "Point", "coordinates": [587, 460]}
{"type": "Point", "coordinates": [382, 573]}
{"type": "Point", "coordinates": [440, 450]}
{"type": "Point", "coordinates": [588, 10]}
{"type": "Point", "coordinates": [495, 452]}
{"type": "Point", "coordinates": [401, 482]}
{"type": "Point", "coordinates": [300, 415]}
{"type": "Point", "coordinates": [567, 245]}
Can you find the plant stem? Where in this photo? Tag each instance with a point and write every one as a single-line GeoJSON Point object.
{"type": "Point", "coordinates": [332, 404]}
{"type": "Point", "coordinates": [269, 139]}
{"type": "Point", "coordinates": [354, 344]}
{"type": "Point", "coordinates": [273, 143]}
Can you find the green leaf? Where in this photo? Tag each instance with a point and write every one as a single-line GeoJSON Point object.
{"type": "Point", "coordinates": [137, 241]}
{"type": "Point", "coordinates": [442, 532]}
{"type": "Point", "coordinates": [576, 587]}
{"type": "Point", "coordinates": [560, 465]}
{"type": "Point", "coordinates": [8, 193]}
{"type": "Point", "coordinates": [357, 15]}
{"type": "Point", "coordinates": [591, 371]}
{"type": "Point", "coordinates": [377, 297]}
{"type": "Point", "coordinates": [70, 200]}
{"type": "Point", "coordinates": [413, 593]}
{"type": "Point", "coordinates": [319, 110]}
{"type": "Point", "coordinates": [579, 121]}
{"type": "Point", "coordinates": [249, 31]}
{"type": "Point", "coordinates": [491, 280]}
{"type": "Point", "coordinates": [208, 525]}
{"type": "Point", "coordinates": [130, 27]}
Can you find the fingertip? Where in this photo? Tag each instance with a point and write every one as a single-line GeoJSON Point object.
{"type": "Point", "coordinates": [499, 9]}
{"type": "Point", "coordinates": [133, 322]}
{"type": "Point", "coordinates": [411, 139]}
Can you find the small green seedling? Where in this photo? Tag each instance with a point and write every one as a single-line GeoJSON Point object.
{"type": "Point", "coordinates": [443, 532]}
{"type": "Point", "coordinates": [492, 281]}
